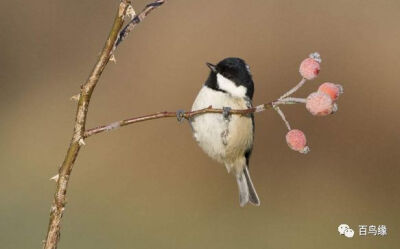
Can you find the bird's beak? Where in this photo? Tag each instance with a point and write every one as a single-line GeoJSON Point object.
{"type": "Point", "coordinates": [212, 67]}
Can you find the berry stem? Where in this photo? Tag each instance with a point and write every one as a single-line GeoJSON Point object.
{"type": "Point", "coordinates": [282, 115]}
{"type": "Point", "coordinates": [289, 100]}
{"type": "Point", "coordinates": [294, 89]}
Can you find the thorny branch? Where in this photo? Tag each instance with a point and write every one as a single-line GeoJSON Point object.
{"type": "Point", "coordinates": [58, 205]}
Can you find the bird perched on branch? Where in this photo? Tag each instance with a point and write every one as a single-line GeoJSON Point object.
{"type": "Point", "coordinates": [228, 138]}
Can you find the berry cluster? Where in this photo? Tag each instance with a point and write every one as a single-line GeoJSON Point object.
{"type": "Point", "coordinates": [319, 103]}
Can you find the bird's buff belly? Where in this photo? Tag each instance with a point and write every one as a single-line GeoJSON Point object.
{"type": "Point", "coordinates": [224, 140]}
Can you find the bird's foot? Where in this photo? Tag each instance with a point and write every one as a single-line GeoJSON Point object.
{"type": "Point", "coordinates": [226, 112]}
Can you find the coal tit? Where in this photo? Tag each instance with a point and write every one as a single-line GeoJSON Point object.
{"type": "Point", "coordinates": [228, 139]}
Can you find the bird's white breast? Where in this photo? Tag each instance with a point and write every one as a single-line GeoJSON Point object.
{"type": "Point", "coordinates": [223, 140]}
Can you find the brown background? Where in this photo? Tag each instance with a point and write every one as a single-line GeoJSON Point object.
{"type": "Point", "coordinates": [149, 185]}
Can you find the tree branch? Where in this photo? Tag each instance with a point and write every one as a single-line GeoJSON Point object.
{"type": "Point", "coordinates": [188, 115]}
{"type": "Point", "coordinates": [137, 19]}
{"type": "Point", "coordinates": [58, 205]}
{"type": "Point", "coordinates": [179, 115]}
{"type": "Point", "coordinates": [294, 89]}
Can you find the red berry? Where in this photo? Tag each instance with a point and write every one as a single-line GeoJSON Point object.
{"type": "Point", "coordinates": [309, 68]}
{"type": "Point", "coordinates": [297, 141]}
{"type": "Point", "coordinates": [319, 104]}
{"type": "Point", "coordinates": [333, 90]}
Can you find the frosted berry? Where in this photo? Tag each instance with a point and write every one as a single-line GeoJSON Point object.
{"type": "Point", "coordinates": [319, 104]}
{"type": "Point", "coordinates": [333, 90]}
{"type": "Point", "coordinates": [297, 141]}
{"type": "Point", "coordinates": [309, 68]}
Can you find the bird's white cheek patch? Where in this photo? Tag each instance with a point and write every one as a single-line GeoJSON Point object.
{"type": "Point", "coordinates": [230, 87]}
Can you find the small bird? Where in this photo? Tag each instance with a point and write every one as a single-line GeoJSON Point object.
{"type": "Point", "coordinates": [228, 138]}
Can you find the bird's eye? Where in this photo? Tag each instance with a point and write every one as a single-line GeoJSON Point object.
{"type": "Point", "coordinates": [226, 75]}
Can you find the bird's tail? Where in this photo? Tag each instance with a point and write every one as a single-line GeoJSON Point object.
{"type": "Point", "coordinates": [247, 192]}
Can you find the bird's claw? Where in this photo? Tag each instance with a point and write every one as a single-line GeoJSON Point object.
{"type": "Point", "coordinates": [180, 115]}
{"type": "Point", "coordinates": [226, 112]}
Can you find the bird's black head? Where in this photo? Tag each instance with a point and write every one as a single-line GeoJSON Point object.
{"type": "Point", "coordinates": [231, 75]}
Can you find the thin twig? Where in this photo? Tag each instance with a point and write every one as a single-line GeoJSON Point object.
{"type": "Point", "coordinates": [294, 89]}
{"type": "Point", "coordinates": [282, 115]}
{"type": "Point", "coordinates": [58, 205]}
{"type": "Point", "coordinates": [136, 20]}
{"type": "Point", "coordinates": [186, 115]}
{"type": "Point", "coordinates": [189, 115]}
{"type": "Point", "coordinates": [289, 100]}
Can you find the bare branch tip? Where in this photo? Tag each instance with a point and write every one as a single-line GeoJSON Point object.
{"type": "Point", "coordinates": [122, 8]}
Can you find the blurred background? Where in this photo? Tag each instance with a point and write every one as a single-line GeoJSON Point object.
{"type": "Point", "coordinates": [149, 185]}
